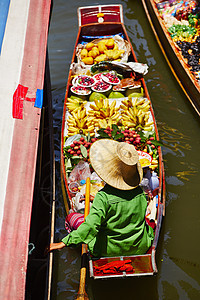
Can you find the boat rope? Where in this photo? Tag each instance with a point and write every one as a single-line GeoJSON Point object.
{"type": "Point", "coordinates": [31, 250]}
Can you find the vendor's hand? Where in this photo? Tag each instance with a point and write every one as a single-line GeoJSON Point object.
{"type": "Point", "coordinates": [54, 246]}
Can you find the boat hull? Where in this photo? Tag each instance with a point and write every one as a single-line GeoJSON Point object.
{"type": "Point", "coordinates": [178, 66]}
{"type": "Point", "coordinates": [92, 31]}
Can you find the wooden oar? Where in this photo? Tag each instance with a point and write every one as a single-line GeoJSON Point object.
{"type": "Point", "coordinates": [81, 292]}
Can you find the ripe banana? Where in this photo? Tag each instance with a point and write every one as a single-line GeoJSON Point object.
{"type": "Point", "coordinates": [102, 109]}
{"type": "Point", "coordinates": [78, 122]}
{"type": "Point", "coordinates": [75, 104]}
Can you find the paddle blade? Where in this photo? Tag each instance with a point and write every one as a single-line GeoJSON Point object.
{"type": "Point", "coordinates": [82, 297]}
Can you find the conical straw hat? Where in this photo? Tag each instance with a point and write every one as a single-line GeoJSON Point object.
{"type": "Point", "coordinates": [117, 163]}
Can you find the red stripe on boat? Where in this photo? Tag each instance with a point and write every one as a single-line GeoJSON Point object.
{"type": "Point", "coordinates": [33, 64]}
{"type": "Point", "coordinates": [18, 97]}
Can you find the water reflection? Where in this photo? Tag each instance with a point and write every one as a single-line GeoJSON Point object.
{"type": "Point", "coordinates": [181, 285]}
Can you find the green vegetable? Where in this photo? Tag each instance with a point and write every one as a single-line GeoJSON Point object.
{"type": "Point", "coordinates": [193, 19]}
{"type": "Point", "coordinates": [181, 30]}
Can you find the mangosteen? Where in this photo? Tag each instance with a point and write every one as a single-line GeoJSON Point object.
{"type": "Point", "coordinates": [194, 47]}
{"type": "Point", "coordinates": [196, 68]}
{"type": "Point", "coordinates": [193, 60]}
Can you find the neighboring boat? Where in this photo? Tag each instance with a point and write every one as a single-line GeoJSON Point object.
{"type": "Point", "coordinates": [104, 67]}
{"type": "Point", "coordinates": [176, 28]}
{"type": "Point", "coordinates": [23, 43]}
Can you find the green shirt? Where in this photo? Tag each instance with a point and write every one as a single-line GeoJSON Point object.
{"type": "Point", "coordinates": [115, 225]}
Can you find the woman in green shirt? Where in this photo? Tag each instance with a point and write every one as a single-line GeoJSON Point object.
{"type": "Point", "coordinates": [116, 223]}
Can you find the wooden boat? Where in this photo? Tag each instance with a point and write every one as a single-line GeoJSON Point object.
{"type": "Point", "coordinates": [24, 101]}
{"type": "Point", "coordinates": [97, 24]}
{"type": "Point", "coordinates": [186, 73]}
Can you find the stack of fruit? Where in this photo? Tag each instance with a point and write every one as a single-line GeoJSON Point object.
{"type": "Point", "coordinates": [103, 114]}
{"type": "Point", "coordinates": [78, 123]}
{"type": "Point", "coordinates": [136, 114]}
{"type": "Point", "coordinates": [105, 49]}
{"type": "Point", "coordinates": [79, 148]}
{"type": "Point", "coordinates": [183, 23]}
{"type": "Point", "coordinates": [133, 113]}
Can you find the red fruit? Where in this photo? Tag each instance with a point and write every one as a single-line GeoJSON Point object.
{"type": "Point", "coordinates": [128, 142]}
{"type": "Point", "coordinates": [125, 134]}
{"type": "Point", "coordinates": [72, 152]}
{"type": "Point", "coordinates": [137, 140]}
{"type": "Point", "coordinates": [93, 140]}
{"type": "Point", "coordinates": [153, 146]}
{"type": "Point", "coordinates": [148, 142]}
{"type": "Point", "coordinates": [86, 145]}
{"type": "Point", "coordinates": [131, 139]}
{"type": "Point", "coordinates": [75, 142]}
{"type": "Point", "coordinates": [151, 138]}
{"type": "Point", "coordinates": [79, 152]}
{"type": "Point", "coordinates": [109, 134]}
{"type": "Point", "coordinates": [82, 139]}
{"type": "Point", "coordinates": [69, 150]}
{"type": "Point", "coordinates": [76, 147]}
{"type": "Point", "coordinates": [126, 139]}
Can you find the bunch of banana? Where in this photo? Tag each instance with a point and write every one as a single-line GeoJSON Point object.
{"type": "Point", "coordinates": [78, 123]}
{"type": "Point", "coordinates": [104, 123]}
{"type": "Point", "coordinates": [136, 116]}
{"type": "Point", "coordinates": [103, 114]}
{"type": "Point", "coordinates": [126, 104]}
{"type": "Point", "coordinates": [140, 103]}
{"type": "Point", "coordinates": [75, 104]}
{"type": "Point", "coordinates": [143, 104]}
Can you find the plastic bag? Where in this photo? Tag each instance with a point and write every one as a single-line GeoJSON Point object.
{"type": "Point", "coordinates": [80, 172]}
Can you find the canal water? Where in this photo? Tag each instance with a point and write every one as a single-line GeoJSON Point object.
{"type": "Point", "coordinates": [178, 253]}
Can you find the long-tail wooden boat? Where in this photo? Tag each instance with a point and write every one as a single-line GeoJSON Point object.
{"type": "Point", "coordinates": [88, 119]}
{"type": "Point", "coordinates": [176, 28]}
{"type": "Point", "coordinates": [24, 97]}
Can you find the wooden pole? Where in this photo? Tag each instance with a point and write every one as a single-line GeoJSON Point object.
{"type": "Point", "coordinates": [81, 292]}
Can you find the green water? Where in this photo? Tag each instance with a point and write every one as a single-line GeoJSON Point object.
{"type": "Point", "coordinates": [178, 251]}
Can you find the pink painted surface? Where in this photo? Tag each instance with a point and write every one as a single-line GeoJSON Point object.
{"type": "Point", "coordinates": [32, 74]}
{"type": "Point", "coordinates": [18, 204]}
{"type": "Point", "coordinates": [21, 176]}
